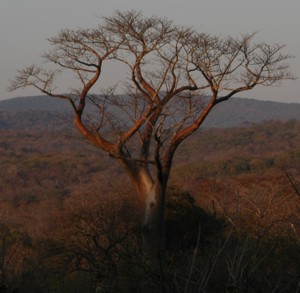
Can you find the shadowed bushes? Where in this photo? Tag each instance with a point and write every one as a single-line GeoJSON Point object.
{"type": "Point", "coordinates": [94, 246]}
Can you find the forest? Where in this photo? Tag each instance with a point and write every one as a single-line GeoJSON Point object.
{"type": "Point", "coordinates": [232, 214]}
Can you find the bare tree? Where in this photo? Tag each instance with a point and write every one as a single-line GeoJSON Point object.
{"type": "Point", "coordinates": [176, 76]}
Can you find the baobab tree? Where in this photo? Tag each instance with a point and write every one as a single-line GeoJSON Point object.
{"type": "Point", "coordinates": [175, 77]}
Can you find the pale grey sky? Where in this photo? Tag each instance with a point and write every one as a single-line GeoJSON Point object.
{"type": "Point", "coordinates": [26, 24]}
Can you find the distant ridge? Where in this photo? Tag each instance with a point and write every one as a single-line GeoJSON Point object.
{"type": "Point", "coordinates": [238, 111]}
{"type": "Point", "coordinates": [35, 103]}
{"type": "Point", "coordinates": [42, 112]}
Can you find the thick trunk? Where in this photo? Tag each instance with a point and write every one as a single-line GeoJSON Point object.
{"type": "Point", "coordinates": [151, 193]}
{"type": "Point", "coordinates": [154, 223]}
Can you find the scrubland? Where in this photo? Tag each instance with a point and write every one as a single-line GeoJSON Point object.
{"type": "Point", "coordinates": [69, 219]}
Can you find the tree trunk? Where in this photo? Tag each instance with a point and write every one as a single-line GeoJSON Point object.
{"type": "Point", "coordinates": [154, 232]}
{"type": "Point", "coordinates": [154, 222]}
{"type": "Point", "coordinates": [151, 193]}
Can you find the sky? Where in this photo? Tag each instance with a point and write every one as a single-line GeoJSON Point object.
{"type": "Point", "coordinates": [25, 26]}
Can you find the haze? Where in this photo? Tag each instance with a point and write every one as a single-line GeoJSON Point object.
{"type": "Point", "coordinates": [26, 25]}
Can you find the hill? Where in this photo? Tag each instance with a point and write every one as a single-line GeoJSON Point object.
{"type": "Point", "coordinates": [238, 111]}
{"type": "Point", "coordinates": [42, 112]}
{"type": "Point", "coordinates": [34, 103]}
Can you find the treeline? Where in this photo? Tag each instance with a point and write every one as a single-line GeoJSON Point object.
{"type": "Point", "coordinates": [70, 223]}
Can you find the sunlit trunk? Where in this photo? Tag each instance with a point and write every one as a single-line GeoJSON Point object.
{"type": "Point", "coordinates": [151, 193]}
{"type": "Point", "coordinates": [153, 222]}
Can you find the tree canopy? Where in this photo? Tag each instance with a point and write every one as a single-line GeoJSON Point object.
{"type": "Point", "coordinates": [170, 69]}
{"type": "Point", "coordinates": [175, 76]}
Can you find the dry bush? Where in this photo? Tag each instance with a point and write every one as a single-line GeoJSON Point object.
{"type": "Point", "coordinates": [258, 208]}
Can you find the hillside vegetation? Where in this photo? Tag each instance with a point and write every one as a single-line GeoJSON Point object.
{"type": "Point", "coordinates": [42, 112]}
{"type": "Point", "coordinates": [233, 218]}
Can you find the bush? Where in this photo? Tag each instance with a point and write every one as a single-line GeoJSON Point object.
{"type": "Point", "coordinates": [184, 219]}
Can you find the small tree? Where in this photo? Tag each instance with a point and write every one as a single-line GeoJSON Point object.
{"type": "Point", "coordinates": [176, 77]}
